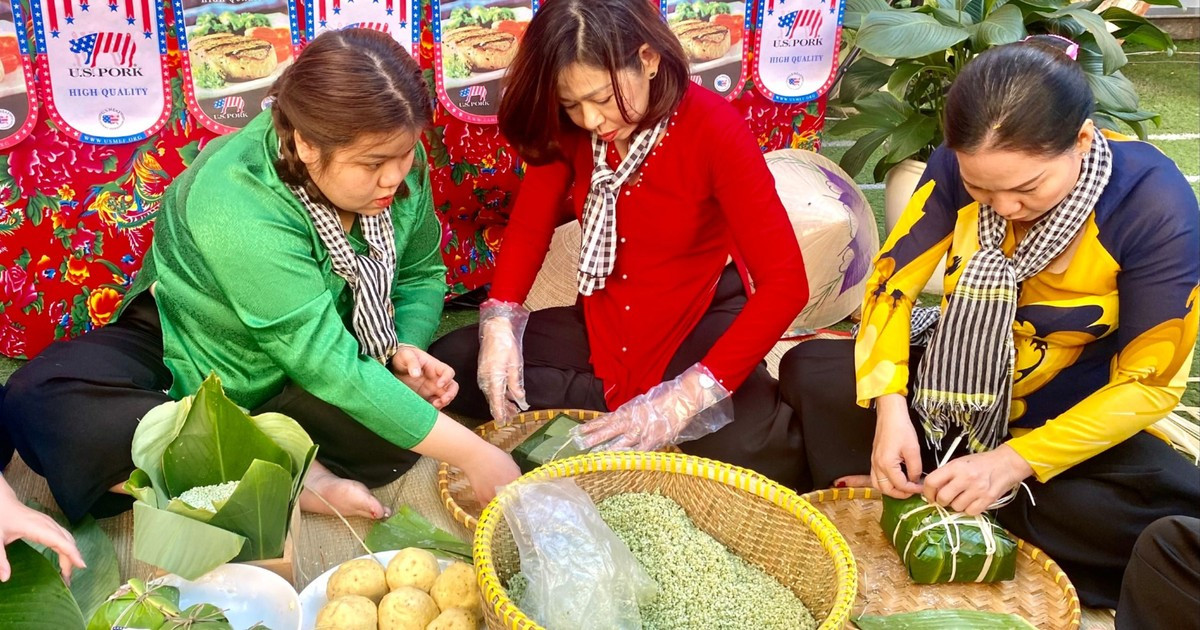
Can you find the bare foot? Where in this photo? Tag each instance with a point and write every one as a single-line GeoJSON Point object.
{"type": "Point", "coordinates": [349, 497]}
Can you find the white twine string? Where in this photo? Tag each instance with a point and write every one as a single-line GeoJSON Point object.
{"type": "Point", "coordinates": [952, 522]}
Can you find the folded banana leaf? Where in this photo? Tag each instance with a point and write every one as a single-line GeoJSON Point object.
{"type": "Point", "coordinates": [550, 442]}
{"type": "Point", "coordinates": [939, 545]}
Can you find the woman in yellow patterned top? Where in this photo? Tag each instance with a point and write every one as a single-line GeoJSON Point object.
{"type": "Point", "coordinates": [1073, 260]}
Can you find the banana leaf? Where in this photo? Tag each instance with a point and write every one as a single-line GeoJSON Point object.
{"type": "Point", "coordinates": [89, 586]}
{"type": "Point", "coordinates": [407, 528]}
{"type": "Point", "coordinates": [939, 619]}
{"type": "Point", "coordinates": [203, 441]}
{"type": "Point", "coordinates": [926, 537]}
{"type": "Point", "coordinates": [35, 596]}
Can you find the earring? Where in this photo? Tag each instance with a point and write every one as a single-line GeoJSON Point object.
{"type": "Point", "coordinates": [653, 73]}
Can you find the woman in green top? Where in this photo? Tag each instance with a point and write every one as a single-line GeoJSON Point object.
{"type": "Point", "coordinates": [298, 259]}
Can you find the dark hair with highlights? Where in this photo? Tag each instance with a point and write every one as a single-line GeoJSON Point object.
{"type": "Point", "coordinates": [604, 34]}
{"type": "Point", "coordinates": [1029, 97]}
{"type": "Point", "coordinates": [343, 85]}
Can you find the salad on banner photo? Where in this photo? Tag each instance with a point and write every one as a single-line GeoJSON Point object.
{"type": "Point", "coordinates": [232, 54]}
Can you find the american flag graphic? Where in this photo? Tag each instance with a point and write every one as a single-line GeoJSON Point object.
{"type": "Point", "coordinates": [474, 91]}
{"type": "Point", "coordinates": [230, 105]}
{"type": "Point", "coordinates": [93, 45]}
{"type": "Point", "coordinates": [810, 19]}
{"type": "Point", "coordinates": [374, 26]}
{"type": "Point", "coordinates": [697, 79]}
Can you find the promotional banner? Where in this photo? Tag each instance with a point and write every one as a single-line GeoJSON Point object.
{"type": "Point", "coordinates": [18, 96]}
{"type": "Point", "coordinates": [103, 68]}
{"type": "Point", "coordinates": [473, 43]}
{"type": "Point", "coordinates": [797, 48]}
{"type": "Point", "coordinates": [399, 18]}
{"type": "Point", "coordinates": [232, 53]}
{"type": "Point", "coordinates": [712, 37]}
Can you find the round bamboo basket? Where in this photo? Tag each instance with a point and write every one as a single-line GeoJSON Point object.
{"type": "Point", "coordinates": [765, 523]}
{"type": "Point", "coordinates": [1040, 592]}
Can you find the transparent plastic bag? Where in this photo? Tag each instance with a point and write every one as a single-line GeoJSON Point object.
{"type": "Point", "coordinates": [580, 575]}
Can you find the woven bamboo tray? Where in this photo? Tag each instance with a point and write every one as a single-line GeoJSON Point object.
{"type": "Point", "coordinates": [453, 487]}
{"type": "Point", "coordinates": [756, 518]}
{"type": "Point", "coordinates": [1041, 592]}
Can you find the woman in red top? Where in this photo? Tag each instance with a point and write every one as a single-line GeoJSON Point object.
{"type": "Point", "coordinates": [668, 184]}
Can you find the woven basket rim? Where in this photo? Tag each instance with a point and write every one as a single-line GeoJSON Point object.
{"type": "Point", "coordinates": [845, 571]}
{"type": "Point", "coordinates": [1048, 565]}
{"type": "Point", "coordinates": [464, 518]}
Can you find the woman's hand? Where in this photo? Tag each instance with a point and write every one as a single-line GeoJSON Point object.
{"type": "Point", "coordinates": [686, 408]}
{"type": "Point", "coordinates": [973, 482]}
{"type": "Point", "coordinates": [20, 521]}
{"type": "Point", "coordinates": [491, 470]}
{"type": "Point", "coordinates": [429, 378]}
{"type": "Point", "coordinates": [501, 366]}
{"type": "Point", "coordinates": [895, 444]}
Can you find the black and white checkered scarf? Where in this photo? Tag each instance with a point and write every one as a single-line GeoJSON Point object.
{"type": "Point", "coordinates": [370, 277]}
{"type": "Point", "coordinates": [598, 244]}
{"type": "Point", "coordinates": [966, 376]}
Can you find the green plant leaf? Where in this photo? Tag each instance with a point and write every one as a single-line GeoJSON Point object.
{"type": "Point", "coordinates": [258, 510]}
{"type": "Point", "coordinates": [856, 156]}
{"type": "Point", "coordinates": [176, 543]}
{"type": "Point", "coordinates": [856, 10]}
{"type": "Point", "coordinates": [407, 528]}
{"type": "Point", "coordinates": [1114, 57]}
{"type": "Point", "coordinates": [1004, 26]}
{"type": "Point", "coordinates": [1113, 92]}
{"type": "Point", "coordinates": [217, 443]}
{"type": "Point", "coordinates": [952, 16]}
{"type": "Point", "coordinates": [864, 76]}
{"type": "Point", "coordinates": [897, 83]}
{"type": "Point", "coordinates": [1149, 36]}
{"type": "Point", "coordinates": [92, 585]}
{"type": "Point", "coordinates": [1164, 3]}
{"type": "Point", "coordinates": [910, 138]}
{"type": "Point", "coordinates": [884, 105]}
{"type": "Point", "coordinates": [291, 437]}
{"type": "Point", "coordinates": [900, 35]}
{"type": "Point", "coordinates": [1138, 116]}
{"type": "Point", "coordinates": [860, 122]}
{"type": "Point", "coordinates": [35, 596]}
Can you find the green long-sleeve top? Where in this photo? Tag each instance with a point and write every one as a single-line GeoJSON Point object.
{"type": "Point", "coordinates": [246, 289]}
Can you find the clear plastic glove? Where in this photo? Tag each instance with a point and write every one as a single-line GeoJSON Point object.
{"type": "Point", "coordinates": [691, 406]}
{"type": "Point", "coordinates": [501, 364]}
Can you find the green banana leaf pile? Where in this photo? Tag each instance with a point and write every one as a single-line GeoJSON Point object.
{"type": "Point", "coordinates": [206, 440]}
{"type": "Point", "coordinates": [926, 536]}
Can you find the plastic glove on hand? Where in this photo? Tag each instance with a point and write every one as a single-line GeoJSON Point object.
{"type": "Point", "coordinates": [501, 374]}
{"type": "Point", "coordinates": [688, 407]}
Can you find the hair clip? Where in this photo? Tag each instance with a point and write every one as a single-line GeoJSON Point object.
{"type": "Point", "coordinates": [1071, 50]}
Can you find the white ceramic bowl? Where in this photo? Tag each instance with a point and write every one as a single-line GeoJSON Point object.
{"type": "Point", "coordinates": [247, 594]}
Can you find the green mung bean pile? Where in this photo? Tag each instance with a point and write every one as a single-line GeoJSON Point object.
{"type": "Point", "coordinates": [702, 585]}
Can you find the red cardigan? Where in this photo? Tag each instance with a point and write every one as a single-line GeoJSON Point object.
{"type": "Point", "coordinates": [704, 194]}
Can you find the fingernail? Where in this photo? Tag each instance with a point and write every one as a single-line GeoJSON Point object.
{"type": "Point", "coordinates": [840, 484]}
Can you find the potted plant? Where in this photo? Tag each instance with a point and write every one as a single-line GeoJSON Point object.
{"type": "Point", "coordinates": [902, 59]}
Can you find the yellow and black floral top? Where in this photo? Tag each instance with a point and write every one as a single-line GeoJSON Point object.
{"type": "Point", "coordinates": [1103, 335]}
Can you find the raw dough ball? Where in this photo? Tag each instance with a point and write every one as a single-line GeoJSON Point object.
{"type": "Point", "coordinates": [406, 608]}
{"type": "Point", "coordinates": [350, 612]}
{"type": "Point", "coordinates": [413, 567]}
{"type": "Point", "coordinates": [456, 588]}
{"type": "Point", "coordinates": [364, 576]}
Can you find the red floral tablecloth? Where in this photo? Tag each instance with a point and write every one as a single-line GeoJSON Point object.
{"type": "Point", "coordinates": [76, 219]}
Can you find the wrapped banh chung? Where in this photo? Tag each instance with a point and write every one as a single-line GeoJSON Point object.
{"type": "Point", "coordinates": [939, 545]}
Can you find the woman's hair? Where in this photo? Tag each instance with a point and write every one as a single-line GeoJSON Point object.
{"type": "Point", "coordinates": [343, 85]}
{"type": "Point", "coordinates": [1030, 97]}
{"type": "Point", "coordinates": [604, 34]}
